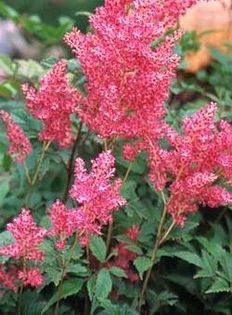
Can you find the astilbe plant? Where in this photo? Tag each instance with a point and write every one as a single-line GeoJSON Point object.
{"type": "Point", "coordinates": [129, 62]}
{"type": "Point", "coordinates": [7, 279]}
{"type": "Point", "coordinates": [20, 146]}
{"type": "Point", "coordinates": [196, 161]}
{"type": "Point", "coordinates": [97, 196]}
{"type": "Point", "coordinates": [25, 249]}
{"type": "Point", "coordinates": [127, 80]}
{"type": "Point", "coordinates": [53, 103]}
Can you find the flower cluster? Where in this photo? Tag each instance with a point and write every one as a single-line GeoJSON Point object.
{"type": "Point", "coordinates": [130, 38]}
{"type": "Point", "coordinates": [63, 221]}
{"type": "Point", "coordinates": [199, 158]}
{"type": "Point", "coordinates": [53, 104]}
{"type": "Point", "coordinates": [129, 63]}
{"type": "Point", "coordinates": [27, 238]}
{"type": "Point", "coordinates": [128, 80]}
{"type": "Point", "coordinates": [7, 280]}
{"type": "Point", "coordinates": [97, 195]}
{"type": "Point", "coordinates": [20, 146]}
{"type": "Point", "coordinates": [31, 277]}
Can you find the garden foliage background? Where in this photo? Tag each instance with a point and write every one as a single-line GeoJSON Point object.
{"type": "Point", "coordinates": [193, 270]}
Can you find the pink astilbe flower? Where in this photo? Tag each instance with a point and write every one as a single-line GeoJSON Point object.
{"type": "Point", "coordinates": [19, 145]}
{"type": "Point", "coordinates": [63, 223]}
{"type": "Point", "coordinates": [216, 196]}
{"type": "Point", "coordinates": [27, 237]}
{"type": "Point", "coordinates": [53, 103]}
{"type": "Point", "coordinates": [133, 232]}
{"type": "Point", "coordinates": [31, 277]}
{"type": "Point", "coordinates": [97, 193]}
{"type": "Point", "coordinates": [198, 159]}
{"type": "Point", "coordinates": [127, 100]}
{"type": "Point", "coordinates": [7, 279]}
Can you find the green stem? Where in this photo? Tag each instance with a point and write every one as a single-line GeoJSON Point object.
{"type": "Point", "coordinates": [71, 162]}
{"type": "Point", "coordinates": [167, 233]}
{"type": "Point", "coordinates": [27, 174]}
{"type": "Point", "coordinates": [105, 145]}
{"type": "Point", "coordinates": [21, 289]}
{"type": "Point", "coordinates": [110, 228]}
{"type": "Point", "coordinates": [32, 181]}
{"type": "Point", "coordinates": [65, 266]}
{"type": "Point", "coordinates": [160, 239]}
{"type": "Point", "coordinates": [44, 150]}
{"type": "Point", "coordinates": [127, 173]}
{"type": "Point", "coordinates": [20, 299]}
{"type": "Point", "coordinates": [109, 236]}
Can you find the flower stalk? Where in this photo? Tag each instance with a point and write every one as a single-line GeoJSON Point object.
{"type": "Point", "coordinates": [110, 228]}
{"type": "Point", "coordinates": [71, 162]}
{"type": "Point", "coordinates": [160, 239]}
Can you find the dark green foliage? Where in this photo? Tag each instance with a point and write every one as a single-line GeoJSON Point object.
{"type": "Point", "coordinates": [193, 270]}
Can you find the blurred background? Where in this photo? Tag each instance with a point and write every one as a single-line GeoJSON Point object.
{"type": "Point", "coordinates": [31, 41]}
{"type": "Point", "coordinates": [27, 27]}
{"type": "Point", "coordinates": [51, 10]}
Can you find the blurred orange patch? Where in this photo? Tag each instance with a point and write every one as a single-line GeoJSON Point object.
{"type": "Point", "coordinates": [212, 21]}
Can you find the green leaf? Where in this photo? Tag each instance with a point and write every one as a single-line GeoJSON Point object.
{"type": "Point", "coordinates": [77, 269]}
{"type": "Point", "coordinates": [8, 12]}
{"type": "Point", "coordinates": [51, 263]}
{"type": "Point", "coordinates": [7, 65]}
{"type": "Point", "coordinates": [209, 263]}
{"type": "Point", "coordinates": [103, 284]}
{"type": "Point", "coordinates": [138, 166]}
{"type": "Point", "coordinates": [114, 309]}
{"type": "Point", "coordinates": [98, 248]}
{"type": "Point", "coordinates": [142, 264]}
{"type": "Point", "coordinates": [49, 62]}
{"type": "Point", "coordinates": [83, 13]}
{"type": "Point", "coordinates": [29, 69]}
{"type": "Point", "coordinates": [219, 285]}
{"type": "Point", "coordinates": [128, 190]}
{"type": "Point", "coordinates": [69, 287]}
{"type": "Point", "coordinates": [5, 239]}
{"type": "Point", "coordinates": [209, 266]}
{"type": "Point", "coordinates": [5, 91]}
{"type": "Point", "coordinates": [202, 274]}
{"type": "Point", "coordinates": [45, 32]}
{"type": "Point", "coordinates": [211, 247]}
{"type": "Point", "coordinates": [167, 297]}
{"type": "Point", "coordinates": [32, 303]}
{"type": "Point", "coordinates": [147, 231]}
{"type": "Point", "coordinates": [226, 263]}
{"type": "Point", "coordinates": [221, 58]}
{"type": "Point", "coordinates": [118, 272]}
{"type": "Point", "coordinates": [135, 249]}
{"type": "Point", "coordinates": [45, 222]}
{"type": "Point", "coordinates": [91, 285]}
{"type": "Point", "coordinates": [74, 66]}
{"type": "Point", "coordinates": [189, 257]}
{"type": "Point", "coordinates": [54, 274]}
{"type": "Point", "coordinates": [4, 189]}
